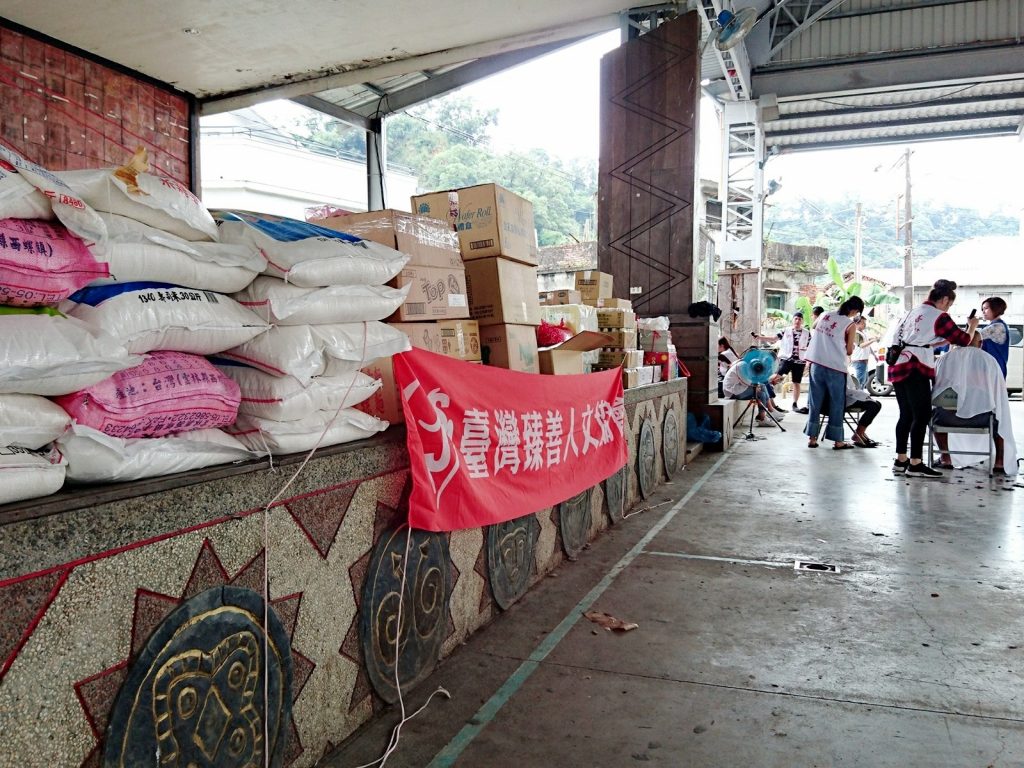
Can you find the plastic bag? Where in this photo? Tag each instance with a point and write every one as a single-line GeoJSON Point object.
{"type": "Point", "coordinates": [701, 433]}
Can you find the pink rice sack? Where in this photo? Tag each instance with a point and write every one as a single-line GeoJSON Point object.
{"type": "Point", "coordinates": [42, 263]}
{"type": "Point", "coordinates": [169, 392]}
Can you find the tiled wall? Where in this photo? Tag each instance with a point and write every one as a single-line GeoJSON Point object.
{"type": "Point", "coordinates": [67, 112]}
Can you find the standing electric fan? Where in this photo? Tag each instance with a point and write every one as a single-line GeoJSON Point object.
{"type": "Point", "coordinates": [756, 367]}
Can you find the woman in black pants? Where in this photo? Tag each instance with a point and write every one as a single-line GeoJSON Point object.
{"type": "Point", "coordinates": [925, 327]}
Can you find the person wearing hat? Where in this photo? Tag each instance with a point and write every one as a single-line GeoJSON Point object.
{"type": "Point", "coordinates": [794, 341]}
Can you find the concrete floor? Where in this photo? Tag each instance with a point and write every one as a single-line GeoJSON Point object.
{"type": "Point", "coordinates": [912, 655]}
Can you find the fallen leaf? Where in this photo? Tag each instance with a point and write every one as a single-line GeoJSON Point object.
{"type": "Point", "coordinates": [609, 622]}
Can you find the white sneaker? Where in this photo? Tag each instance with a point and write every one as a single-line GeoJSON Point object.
{"type": "Point", "coordinates": [765, 423]}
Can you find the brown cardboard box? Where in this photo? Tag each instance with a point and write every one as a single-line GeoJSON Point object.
{"type": "Point", "coordinates": [386, 402]}
{"type": "Point", "coordinates": [567, 357]}
{"type": "Point", "coordinates": [459, 339]}
{"type": "Point", "coordinates": [502, 292]}
{"type": "Point", "coordinates": [627, 358]}
{"type": "Point", "coordinates": [443, 206]}
{"type": "Point", "coordinates": [593, 285]}
{"type": "Point", "coordinates": [614, 304]}
{"type": "Point", "coordinates": [555, 298]}
{"type": "Point", "coordinates": [435, 293]}
{"type": "Point", "coordinates": [426, 241]}
{"type": "Point", "coordinates": [616, 318]}
{"type": "Point", "coordinates": [496, 222]}
{"type": "Point", "coordinates": [630, 378]}
{"type": "Point", "coordinates": [621, 338]}
{"type": "Point", "coordinates": [510, 346]}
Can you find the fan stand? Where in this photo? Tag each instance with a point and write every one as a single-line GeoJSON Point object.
{"type": "Point", "coordinates": [752, 407]}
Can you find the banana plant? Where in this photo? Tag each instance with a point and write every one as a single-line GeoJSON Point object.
{"type": "Point", "coordinates": [839, 291]}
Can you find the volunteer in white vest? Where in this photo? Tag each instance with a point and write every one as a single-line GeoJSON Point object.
{"type": "Point", "coordinates": [793, 346]}
{"type": "Point", "coordinates": [924, 328]}
{"type": "Point", "coordinates": [831, 344]}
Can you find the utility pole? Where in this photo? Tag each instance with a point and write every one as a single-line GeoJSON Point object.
{"type": "Point", "coordinates": [908, 241]}
{"type": "Point", "coordinates": [858, 265]}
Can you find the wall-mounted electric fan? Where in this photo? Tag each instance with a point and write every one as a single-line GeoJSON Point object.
{"type": "Point", "coordinates": [730, 27]}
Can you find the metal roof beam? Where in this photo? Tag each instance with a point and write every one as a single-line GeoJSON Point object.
{"type": "Point", "coordinates": [934, 68]}
{"type": "Point", "coordinates": [934, 103]}
{"type": "Point", "coordinates": [808, 20]}
{"type": "Point", "coordinates": [1011, 112]}
{"type": "Point", "coordinates": [347, 116]}
{"type": "Point", "coordinates": [882, 140]}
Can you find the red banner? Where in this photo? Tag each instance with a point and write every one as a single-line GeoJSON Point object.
{"type": "Point", "coordinates": [488, 445]}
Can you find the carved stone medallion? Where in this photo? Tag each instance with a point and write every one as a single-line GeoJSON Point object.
{"type": "Point", "coordinates": [645, 472]}
{"type": "Point", "coordinates": [424, 609]}
{"type": "Point", "coordinates": [615, 495]}
{"type": "Point", "coordinates": [670, 443]}
{"type": "Point", "coordinates": [195, 695]}
{"type": "Point", "coordinates": [574, 523]}
{"type": "Point", "coordinates": [510, 551]}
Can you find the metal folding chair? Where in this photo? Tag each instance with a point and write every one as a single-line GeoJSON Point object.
{"type": "Point", "coordinates": [945, 421]}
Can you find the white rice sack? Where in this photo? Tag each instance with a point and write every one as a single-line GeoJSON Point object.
{"type": "Point", "coordinates": [133, 191]}
{"type": "Point", "coordinates": [30, 421]}
{"type": "Point", "coordinates": [285, 398]}
{"type": "Point", "coordinates": [65, 204]}
{"type": "Point", "coordinates": [305, 351]}
{"type": "Point", "coordinates": [315, 261]}
{"type": "Point", "coordinates": [146, 317]}
{"type": "Point", "coordinates": [45, 353]}
{"type": "Point", "coordinates": [264, 436]}
{"type": "Point", "coordinates": [280, 303]}
{"type": "Point", "coordinates": [138, 252]}
{"type": "Point", "coordinates": [19, 199]}
{"type": "Point", "coordinates": [26, 474]}
{"type": "Point", "coordinates": [97, 458]}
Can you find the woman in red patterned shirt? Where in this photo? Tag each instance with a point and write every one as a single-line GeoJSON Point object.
{"type": "Point", "coordinates": [924, 328]}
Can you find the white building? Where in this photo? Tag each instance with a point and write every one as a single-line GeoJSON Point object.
{"type": "Point", "coordinates": [245, 164]}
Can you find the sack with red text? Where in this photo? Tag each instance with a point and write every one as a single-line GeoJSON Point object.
{"type": "Point", "coordinates": [26, 474]}
{"type": "Point", "coordinates": [42, 263]}
{"type": "Point", "coordinates": [280, 303]}
{"type": "Point", "coordinates": [93, 457]}
{"type": "Point", "coordinates": [134, 191]}
{"type": "Point", "coordinates": [136, 252]}
{"type": "Point", "coordinates": [19, 199]}
{"type": "Point", "coordinates": [169, 392]}
{"type": "Point", "coordinates": [157, 316]}
{"type": "Point", "coordinates": [317, 430]}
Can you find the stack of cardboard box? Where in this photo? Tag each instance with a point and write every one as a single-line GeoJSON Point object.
{"type": "Point", "coordinates": [659, 351]}
{"type": "Point", "coordinates": [435, 314]}
{"type": "Point", "coordinates": [498, 246]}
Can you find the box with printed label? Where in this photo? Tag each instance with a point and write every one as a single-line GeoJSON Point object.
{"type": "Point", "coordinates": [621, 338]}
{"type": "Point", "coordinates": [567, 357]}
{"type": "Point", "coordinates": [496, 222]}
{"type": "Point", "coordinates": [614, 304]}
{"type": "Point", "coordinates": [627, 358]}
{"type": "Point", "coordinates": [386, 402]}
{"type": "Point", "coordinates": [593, 285]}
{"type": "Point", "coordinates": [656, 341]}
{"type": "Point", "coordinates": [646, 375]}
{"type": "Point", "coordinates": [510, 346]}
{"type": "Point", "coordinates": [630, 378]}
{"type": "Point", "coordinates": [558, 298]}
{"type": "Point", "coordinates": [502, 291]}
{"type": "Point", "coordinates": [425, 240]}
{"type": "Point", "coordinates": [443, 206]}
{"type": "Point", "coordinates": [435, 293]}
{"type": "Point", "coordinates": [616, 318]}
{"type": "Point", "coordinates": [459, 339]}
{"type": "Point", "coordinates": [666, 361]}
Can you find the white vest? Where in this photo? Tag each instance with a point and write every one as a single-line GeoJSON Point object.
{"type": "Point", "coordinates": [786, 348]}
{"type": "Point", "coordinates": [828, 344]}
{"type": "Point", "coordinates": [919, 329]}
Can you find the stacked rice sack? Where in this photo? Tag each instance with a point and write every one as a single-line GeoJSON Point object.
{"type": "Point", "coordinates": [324, 294]}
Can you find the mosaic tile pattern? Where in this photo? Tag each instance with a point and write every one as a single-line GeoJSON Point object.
{"type": "Point", "coordinates": [22, 603]}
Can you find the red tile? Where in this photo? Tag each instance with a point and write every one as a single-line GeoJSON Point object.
{"type": "Point", "coordinates": [74, 68]}
{"type": "Point", "coordinates": [33, 131]}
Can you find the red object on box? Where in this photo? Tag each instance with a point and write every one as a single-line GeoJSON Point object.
{"type": "Point", "coordinates": [667, 361]}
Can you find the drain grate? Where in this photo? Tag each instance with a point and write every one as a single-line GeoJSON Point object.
{"type": "Point", "coordinates": [805, 565]}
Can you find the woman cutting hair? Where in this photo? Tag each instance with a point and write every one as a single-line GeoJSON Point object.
{"type": "Point", "coordinates": [830, 345]}
{"type": "Point", "coordinates": [924, 328]}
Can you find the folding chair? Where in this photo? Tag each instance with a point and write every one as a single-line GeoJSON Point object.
{"type": "Point", "coordinates": [851, 415]}
{"type": "Point", "coordinates": [945, 421]}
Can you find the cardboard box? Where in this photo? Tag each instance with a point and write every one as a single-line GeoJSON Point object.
{"type": "Point", "coordinates": [614, 304]}
{"type": "Point", "coordinates": [593, 285]}
{"type": "Point", "coordinates": [627, 358]}
{"type": "Point", "coordinates": [459, 339]}
{"type": "Point", "coordinates": [656, 341]}
{"type": "Point", "coordinates": [510, 346]}
{"type": "Point", "coordinates": [386, 402]}
{"type": "Point", "coordinates": [443, 206]}
{"type": "Point", "coordinates": [556, 298]}
{"type": "Point", "coordinates": [567, 357]}
{"type": "Point", "coordinates": [502, 292]}
{"type": "Point", "coordinates": [621, 338]}
{"type": "Point", "coordinates": [666, 361]}
{"type": "Point", "coordinates": [435, 293]}
{"type": "Point", "coordinates": [630, 378]}
{"type": "Point", "coordinates": [426, 241]}
{"type": "Point", "coordinates": [645, 375]}
{"type": "Point", "coordinates": [496, 222]}
{"type": "Point", "coordinates": [616, 318]}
